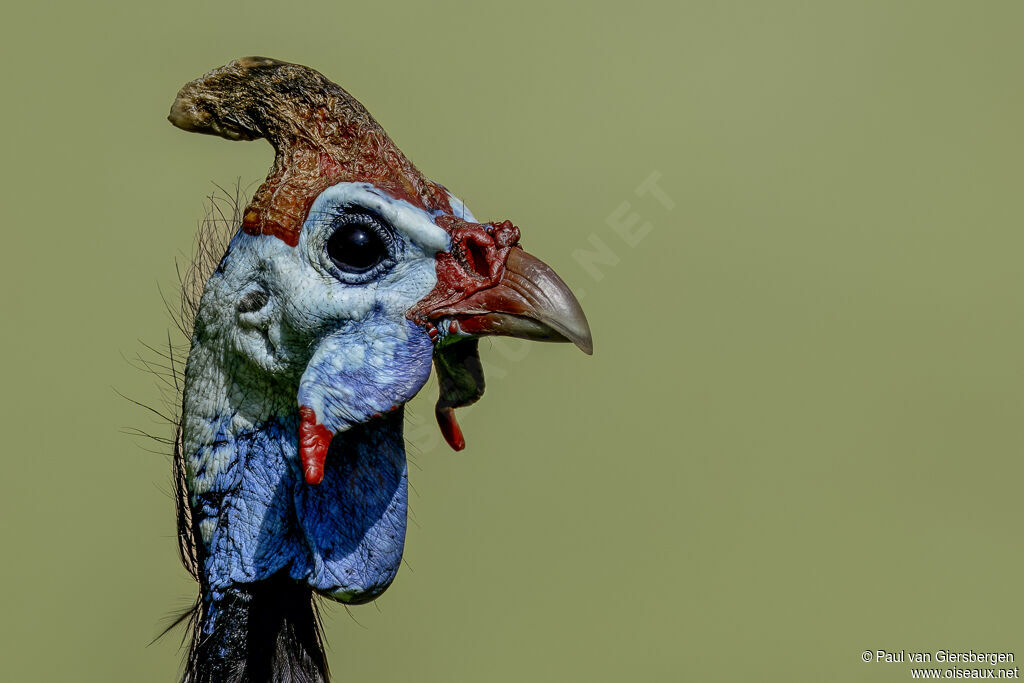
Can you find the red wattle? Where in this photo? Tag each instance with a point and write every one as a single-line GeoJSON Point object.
{"type": "Point", "coordinates": [314, 439]}
{"type": "Point", "coordinates": [450, 428]}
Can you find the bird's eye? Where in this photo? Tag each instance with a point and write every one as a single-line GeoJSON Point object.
{"type": "Point", "coordinates": [356, 246]}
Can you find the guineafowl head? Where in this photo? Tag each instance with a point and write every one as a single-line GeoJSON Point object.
{"type": "Point", "coordinates": [350, 275]}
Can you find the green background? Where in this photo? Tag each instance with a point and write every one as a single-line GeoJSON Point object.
{"type": "Point", "coordinates": [799, 437]}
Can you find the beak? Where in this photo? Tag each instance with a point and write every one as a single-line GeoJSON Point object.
{"type": "Point", "coordinates": [530, 301]}
{"type": "Point", "coordinates": [487, 285]}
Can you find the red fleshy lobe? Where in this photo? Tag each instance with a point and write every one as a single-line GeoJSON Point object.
{"type": "Point", "coordinates": [450, 429]}
{"type": "Point", "coordinates": [314, 440]}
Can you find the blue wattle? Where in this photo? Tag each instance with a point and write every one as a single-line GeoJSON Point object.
{"type": "Point", "coordinates": [344, 536]}
{"type": "Point", "coordinates": [364, 369]}
{"type": "Point", "coordinates": [354, 520]}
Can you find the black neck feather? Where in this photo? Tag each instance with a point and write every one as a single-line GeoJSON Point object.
{"type": "Point", "coordinates": [266, 632]}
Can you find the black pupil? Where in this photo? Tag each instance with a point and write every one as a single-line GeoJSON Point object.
{"type": "Point", "coordinates": [355, 248]}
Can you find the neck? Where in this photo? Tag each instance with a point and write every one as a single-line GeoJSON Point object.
{"type": "Point", "coordinates": [267, 631]}
{"type": "Point", "coordinates": [266, 540]}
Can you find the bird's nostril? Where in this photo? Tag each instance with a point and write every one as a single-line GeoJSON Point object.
{"type": "Point", "coordinates": [476, 258]}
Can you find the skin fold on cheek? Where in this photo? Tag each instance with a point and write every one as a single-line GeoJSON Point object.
{"type": "Point", "coordinates": [354, 377]}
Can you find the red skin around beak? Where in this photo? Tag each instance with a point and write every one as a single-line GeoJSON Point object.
{"type": "Point", "coordinates": [487, 285]}
{"type": "Point", "coordinates": [475, 261]}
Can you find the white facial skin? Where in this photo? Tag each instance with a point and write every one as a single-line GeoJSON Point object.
{"type": "Point", "coordinates": [305, 294]}
{"type": "Point", "coordinates": [271, 308]}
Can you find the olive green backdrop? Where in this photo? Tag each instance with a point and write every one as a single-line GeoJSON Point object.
{"type": "Point", "coordinates": [799, 437]}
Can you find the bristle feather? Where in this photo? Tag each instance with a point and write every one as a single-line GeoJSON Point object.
{"type": "Point", "coordinates": [267, 632]}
